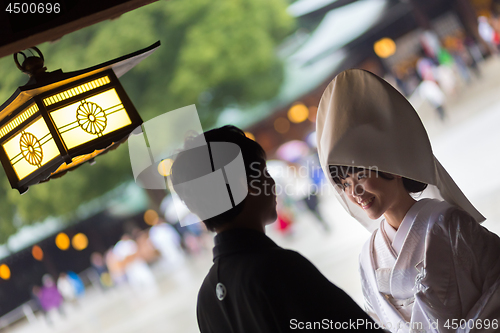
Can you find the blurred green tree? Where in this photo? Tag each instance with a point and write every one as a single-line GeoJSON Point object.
{"type": "Point", "coordinates": [213, 54]}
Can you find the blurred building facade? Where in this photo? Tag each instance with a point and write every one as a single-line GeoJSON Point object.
{"type": "Point", "coordinates": [331, 47]}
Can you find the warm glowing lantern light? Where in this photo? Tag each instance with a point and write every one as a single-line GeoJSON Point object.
{"type": "Point", "coordinates": [298, 113]}
{"type": "Point", "coordinates": [384, 47]}
{"type": "Point", "coordinates": [37, 252]}
{"type": "Point", "coordinates": [4, 272]}
{"type": "Point", "coordinates": [58, 121]}
{"type": "Point", "coordinates": [79, 242]}
{"type": "Point", "coordinates": [281, 125]}
{"type": "Point", "coordinates": [165, 167]}
{"type": "Point", "coordinates": [151, 217]}
{"type": "Point", "coordinates": [62, 241]}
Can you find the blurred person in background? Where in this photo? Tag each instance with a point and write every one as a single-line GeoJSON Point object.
{"type": "Point", "coordinates": [430, 44]}
{"type": "Point", "coordinates": [406, 77]}
{"type": "Point", "coordinates": [101, 276]}
{"type": "Point", "coordinates": [137, 271]}
{"type": "Point", "coordinates": [285, 208]}
{"type": "Point", "coordinates": [470, 52]}
{"type": "Point", "coordinates": [428, 89]}
{"type": "Point", "coordinates": [316, 178]}
{"type": "Point", "coordinates": [301, 193]}
{"type": "Point", "coordinates": [474, 51]}
{"type": "Point", "coordinates": [446, 75]}
{"type": "Point", "coordinates": [77, 283]}
{"type": "Point", "coordinates": [254, 285]}
{"type": "Point", "coordinates": [193, 236]}
{"type": "Point", "coordinates": [456, 48]}
{"type": "Point", "coordinates": [35, 297]}
{"type": "Point", "coordinates": [145, 248]}
{"type": "Point", "coordinates": [426, 67]}
{"type": "Point", "coordinates": [66, 287]}
{"type": "Point", "coordinates": [488, 34]}
{"type": "Point", "coordinates": [50, 298]}
{"type": "Point", "coordinates": [115, 267]}
{"type": "Point", "coordinates": [300, 182]}
{"type": "Point", "coordinates": [437, 66]}
{"type": "Point", "coordinates": [167, 242]}
{"type": "Point", "coordinates": [430, 263]}
{"type": "Point", "coordinates": [285, 215]}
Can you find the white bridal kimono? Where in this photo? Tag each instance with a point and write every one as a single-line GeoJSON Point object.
{"type": "Point", "coordinates": [441, 267]}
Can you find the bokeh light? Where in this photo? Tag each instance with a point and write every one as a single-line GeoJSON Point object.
{"type": "Point", "coordinates": [151, 217]}
{"type": "Point", "coordinates": [384, 47]}
{"type": "Point", "coordinates": [250, 135]}
{"type": "Point", "coordinates": [80, 242]}
{"type": "Point", "coordinates": [281, 125]}
{"type": "Point", "coordinates": [298, 113]}
{"type": "Point", "coordinates": [62, 241]}
{"type": "Point", "coordinates": [4, 272]}
{"type": "Point", "coordinates": [37, 252]}
{"type": "Point", "coordinates": [165, 167]}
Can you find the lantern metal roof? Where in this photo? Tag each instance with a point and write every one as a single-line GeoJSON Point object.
{"type": "Point", "coordinates": [58, 78]}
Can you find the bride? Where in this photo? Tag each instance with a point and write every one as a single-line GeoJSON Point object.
{"type": "Point", "coordinates": [429, 265]}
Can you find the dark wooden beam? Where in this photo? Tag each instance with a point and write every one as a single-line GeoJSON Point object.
{"type": "Point", "coordinates": [24, 30]}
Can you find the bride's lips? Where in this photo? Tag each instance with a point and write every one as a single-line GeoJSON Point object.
{"type": "Point", "coordinates": [367, 203]}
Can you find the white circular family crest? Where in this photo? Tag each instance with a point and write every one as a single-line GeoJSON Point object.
{"type": "Point", "coordinates": [221, 291]}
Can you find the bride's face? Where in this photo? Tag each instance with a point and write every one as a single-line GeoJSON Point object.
{"type": "Point", "coordinates": [372, 192]}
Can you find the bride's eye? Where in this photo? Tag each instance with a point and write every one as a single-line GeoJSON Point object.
{"type": "Point", "coordinates": [346, 185]}
{"type": "Point", "coordinates": [361, 175]}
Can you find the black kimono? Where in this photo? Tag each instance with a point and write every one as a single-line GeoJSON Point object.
{"type": "Point", "coordinates": [255, 286]}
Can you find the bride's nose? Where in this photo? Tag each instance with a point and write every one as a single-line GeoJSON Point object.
{"type": "Point", "coordinates": [357, 190]}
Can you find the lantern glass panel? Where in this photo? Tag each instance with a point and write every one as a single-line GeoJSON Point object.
{"type": "Point", "coordinates": [31, 148]}
{"type": "Point", "coordinates": [90, 118]}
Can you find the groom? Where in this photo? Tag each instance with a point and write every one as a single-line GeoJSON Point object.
{"type": "Point", "coordinates": [254, 285]}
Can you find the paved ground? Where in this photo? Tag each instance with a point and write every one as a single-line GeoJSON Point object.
{"type": "Point", "coordinates": [467, 145]}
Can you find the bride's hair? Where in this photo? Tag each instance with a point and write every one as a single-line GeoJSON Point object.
{"type": "Point", "coordinates": [339, 172]}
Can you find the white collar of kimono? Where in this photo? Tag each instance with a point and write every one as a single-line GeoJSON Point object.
{"type": "Point", "coordinates": [363, 121]}
{"type": "Point", "coordinates": [404, 228]}
{"type": "Point", "coordinates": [397, 237]}
{"type": "Point", "coordinates": [389, 230]}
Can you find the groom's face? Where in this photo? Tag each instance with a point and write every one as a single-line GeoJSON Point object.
{"type": "Point", "coordinates": [262, 192]}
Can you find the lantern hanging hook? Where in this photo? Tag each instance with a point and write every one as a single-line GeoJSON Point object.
{"type": "Point", "coordinates": [32, 65]}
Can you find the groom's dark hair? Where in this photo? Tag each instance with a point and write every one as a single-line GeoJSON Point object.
{"type": "Point", "coordinates": [182, 169]}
